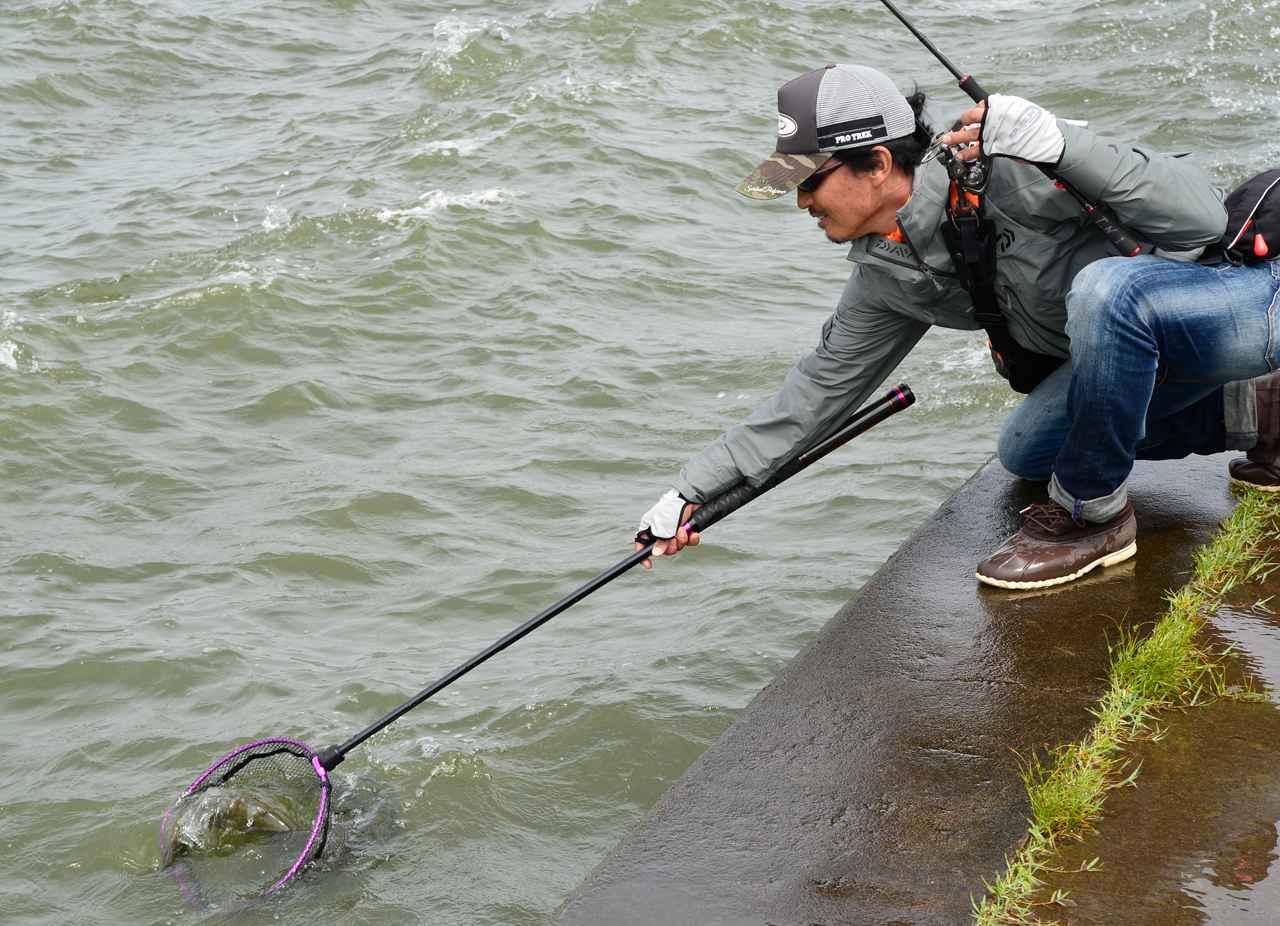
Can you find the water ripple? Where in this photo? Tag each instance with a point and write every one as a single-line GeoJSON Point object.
{"type": "Point", "coordinates": [337, 338]}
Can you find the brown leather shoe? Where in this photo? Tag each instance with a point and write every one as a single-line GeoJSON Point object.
{"type": "Point", "coordinates": [1051, 548]}
{"type": "Point", "coordinates": [1254, 475]}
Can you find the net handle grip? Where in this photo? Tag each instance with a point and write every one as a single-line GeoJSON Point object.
{"type": "Point", "coordinates": [897, 399]}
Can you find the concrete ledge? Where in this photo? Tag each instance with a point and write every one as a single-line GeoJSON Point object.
{"type": "Point", "coordinates": [875, 781]}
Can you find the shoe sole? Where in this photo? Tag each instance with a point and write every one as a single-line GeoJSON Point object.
{"type": "Point", "coordinates": [1110, 559]}
{"type": "Point", "coordinates": [1253, 485]}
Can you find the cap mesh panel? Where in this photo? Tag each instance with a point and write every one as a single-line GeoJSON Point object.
{"type": "Point", "coordinates": [851, 92]}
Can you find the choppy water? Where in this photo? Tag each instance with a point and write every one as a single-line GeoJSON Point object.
{"type": "Point", "coordinates": [336, 338]}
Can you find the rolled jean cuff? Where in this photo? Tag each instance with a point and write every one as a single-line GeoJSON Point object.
{"type": "Point", "coordinates": [1094, 510]}
{"type": "Point", "coordinates": [1240, 415]}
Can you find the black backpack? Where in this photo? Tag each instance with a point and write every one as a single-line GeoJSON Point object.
{"type": "Point", "coordinates": [1253, 220]}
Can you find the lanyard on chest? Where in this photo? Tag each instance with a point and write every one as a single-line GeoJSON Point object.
{"type": "Point", "coordinates": [971, 240]}
{"type": "Point", "coordinates": [972, 247]}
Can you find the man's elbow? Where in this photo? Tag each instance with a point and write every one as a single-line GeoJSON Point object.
{"type": "Point", "coordinates": [1209, 219]}
{"type": "Point", "coordinates": [1197, 220]}
{"type": "Point", "coordinates": [1201, 218]}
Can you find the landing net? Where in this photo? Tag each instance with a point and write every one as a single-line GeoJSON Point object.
{"type": "Point", "coordinates": [248, 825]}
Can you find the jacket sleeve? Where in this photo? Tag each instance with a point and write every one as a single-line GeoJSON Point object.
{"type": "Point", "coordinates": [1164, 200]}
{"type": "Point", "coordinates": [859, 347]}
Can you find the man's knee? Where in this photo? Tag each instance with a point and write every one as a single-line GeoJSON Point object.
{"type": "Point", "coordinates": [1022, 454]}
{"type": "Point", "coordinates": [1105, 292]}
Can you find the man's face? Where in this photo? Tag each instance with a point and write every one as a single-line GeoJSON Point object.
{"type": "Point", "coordinates": [849, 204]}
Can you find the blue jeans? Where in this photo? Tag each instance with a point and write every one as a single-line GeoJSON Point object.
{"type": "Point", "coordinates": [1158, 352]}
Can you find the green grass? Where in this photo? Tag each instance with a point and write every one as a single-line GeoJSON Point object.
{"type": "Point", "coordinates": [1167, 667]}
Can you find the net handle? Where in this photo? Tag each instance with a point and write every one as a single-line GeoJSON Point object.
{"type": "Point", "coordinates": [897, 399]}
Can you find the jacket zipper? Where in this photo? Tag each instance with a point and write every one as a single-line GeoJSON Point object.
{"type": "Point", "coordinates": [920, 264]}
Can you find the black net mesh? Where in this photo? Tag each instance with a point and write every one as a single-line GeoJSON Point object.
{"type": "Point", "coordinates": [248, 825]}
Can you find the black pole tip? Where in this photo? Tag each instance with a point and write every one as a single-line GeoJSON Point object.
{"type": "Point", "coordinates": [330, 758]}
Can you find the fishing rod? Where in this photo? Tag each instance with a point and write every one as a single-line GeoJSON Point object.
{"type": "Point", "coordinates": [1119, 238]}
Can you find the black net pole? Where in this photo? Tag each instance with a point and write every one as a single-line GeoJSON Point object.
{"type": "Point", "coordinates": [333, 755]}
{"type": "Point", "coordinates": [895, 401]}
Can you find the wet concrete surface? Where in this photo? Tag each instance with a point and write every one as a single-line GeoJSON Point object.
{"type": "Point", "coordinates": [1195, 842]}
{"type": "Point", "coordinates": [875, 781]}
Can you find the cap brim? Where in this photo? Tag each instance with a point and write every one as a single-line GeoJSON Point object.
{"type": "Point", "coordinates": [779, 174]}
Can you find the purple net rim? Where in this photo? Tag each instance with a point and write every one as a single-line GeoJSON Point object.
{"type": "Point", "coordinates": [195, 785]}
{"type": "Point", "coordinates": [322, 814]}
{"type": "Point", "coordinates": [321, 820]}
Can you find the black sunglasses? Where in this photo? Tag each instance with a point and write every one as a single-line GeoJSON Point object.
{"type": "Point", "coordinates": [814, 180]}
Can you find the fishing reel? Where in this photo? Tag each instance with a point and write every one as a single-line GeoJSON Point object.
{"type": "Point", "coordinates": [969, 176]}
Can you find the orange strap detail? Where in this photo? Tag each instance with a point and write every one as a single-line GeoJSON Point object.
{"type": "Point", "coordinates": [972, 198]}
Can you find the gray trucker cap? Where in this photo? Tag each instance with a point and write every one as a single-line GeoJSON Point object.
{"type": "Point", "coordinates": [835, 107]}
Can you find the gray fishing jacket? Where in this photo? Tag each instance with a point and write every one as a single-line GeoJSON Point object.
{"type": "Point", "coordinates": [898, 289]}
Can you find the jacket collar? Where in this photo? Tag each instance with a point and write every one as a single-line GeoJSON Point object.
{"type": "Point", "coordinates": [923, 248]}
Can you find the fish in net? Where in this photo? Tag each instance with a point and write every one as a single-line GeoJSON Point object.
{"type": "Point", "coordinates": [248, 824]}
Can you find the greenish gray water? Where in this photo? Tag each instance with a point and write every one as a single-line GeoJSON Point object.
{"type": "Point", "coordinates": [336, 338]}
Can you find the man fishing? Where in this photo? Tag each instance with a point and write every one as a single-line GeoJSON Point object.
{"type": "Point", "coordinates": [1123, 358]}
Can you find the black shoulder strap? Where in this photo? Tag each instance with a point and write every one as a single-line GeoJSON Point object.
{"type": "Point", "coordinates": [973, 251]}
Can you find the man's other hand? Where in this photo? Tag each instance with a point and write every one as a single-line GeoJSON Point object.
{"type": "Point", "coordinates": [1007, 126]}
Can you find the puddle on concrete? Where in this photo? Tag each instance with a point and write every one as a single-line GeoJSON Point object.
{"type": "Point", "coordinates": [1198, 840]}
{"type": "Point", "coordinates": [1240, 886]}
{"type": "Point", "coordinates": [1256, 637]}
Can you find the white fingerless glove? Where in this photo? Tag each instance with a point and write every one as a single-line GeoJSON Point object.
{"type": "Point", "coordinates": [1018, 128]}
{"type": "Point", "coordinates": [662, 520]}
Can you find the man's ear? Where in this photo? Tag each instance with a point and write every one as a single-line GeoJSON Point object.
{"type": "Point", "coordinates": [884, 163]}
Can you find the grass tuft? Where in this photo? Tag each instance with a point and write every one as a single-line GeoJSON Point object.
{"type": "Point", "coordinates": [1167, 667]}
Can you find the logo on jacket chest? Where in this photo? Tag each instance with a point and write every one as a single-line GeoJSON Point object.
{"type": "Point", "coordinates": [893, 250]}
